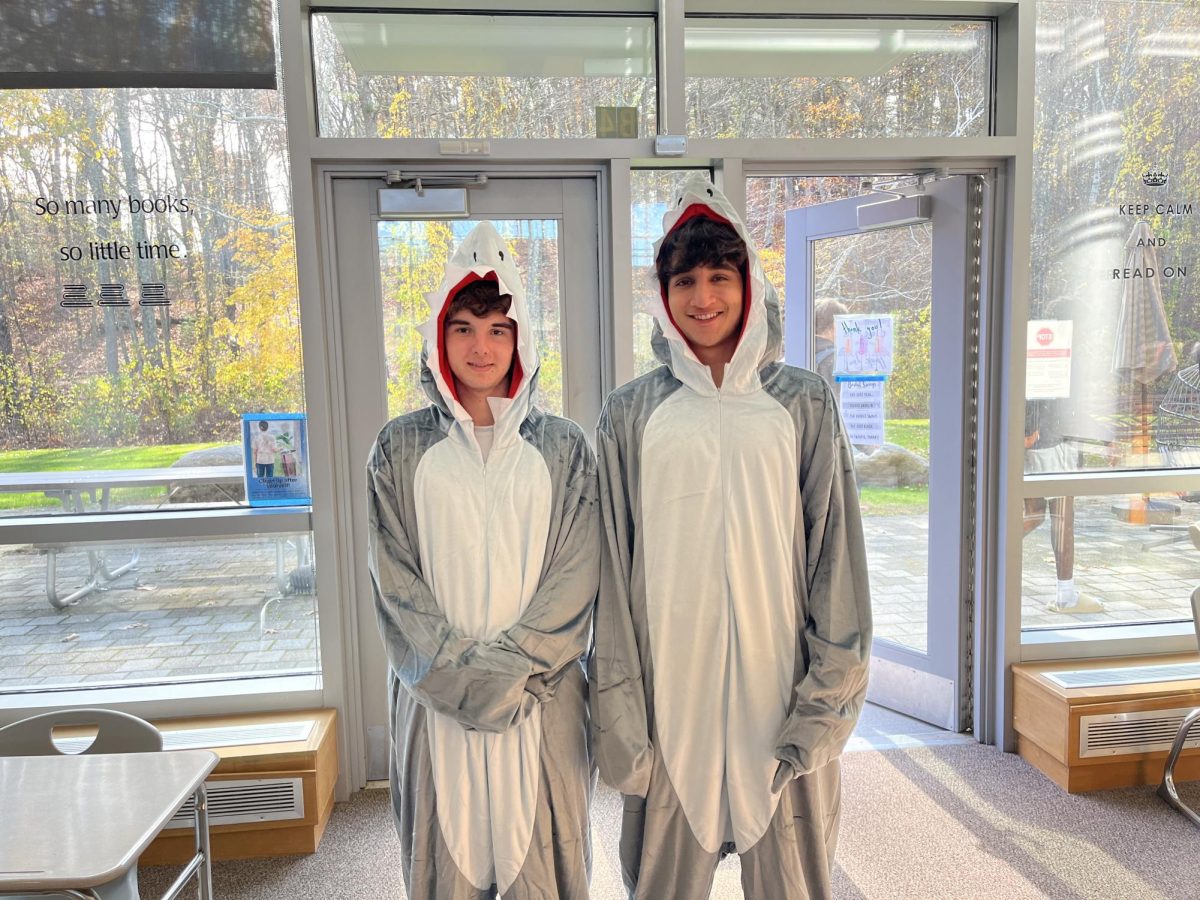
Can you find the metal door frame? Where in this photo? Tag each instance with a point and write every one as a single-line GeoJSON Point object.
{"type": "Point", "coordinates": [357, 388]}
{"type": "Point", "coordinates": [935, 686]}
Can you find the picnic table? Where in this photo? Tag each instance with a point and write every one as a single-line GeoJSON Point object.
{"type": "Point", "coordinates": [75, 490]}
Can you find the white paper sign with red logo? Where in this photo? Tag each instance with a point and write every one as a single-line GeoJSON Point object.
{"type": "Point", "coordinates": [1048, 360]}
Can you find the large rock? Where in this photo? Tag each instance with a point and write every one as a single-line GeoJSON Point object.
{"type": "Point", "coordinates": [890, 465]}
{"type": "Point", "coordinates": [228, 455]}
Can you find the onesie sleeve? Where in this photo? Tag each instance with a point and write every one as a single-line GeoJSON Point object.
{"type": "Point", "coordinates": [837, 628]}
{"type": "Point", "coordinates": [620, 735]}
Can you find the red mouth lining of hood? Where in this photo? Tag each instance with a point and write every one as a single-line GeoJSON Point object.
{"type": "Point", "coordinates": [517, 372]}
{"type": "Point", "coordinates": [705, 211]}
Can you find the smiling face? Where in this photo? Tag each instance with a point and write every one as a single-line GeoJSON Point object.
{"type": "Point", "coordinates": [706, 304]}
{"type": "Point", "coordinates": [479, 350]}
{"type": "Point", "coordinates": [701, 267]}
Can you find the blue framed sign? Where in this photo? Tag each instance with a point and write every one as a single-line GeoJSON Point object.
{"type": "Point", "coordinates": [275, 450]}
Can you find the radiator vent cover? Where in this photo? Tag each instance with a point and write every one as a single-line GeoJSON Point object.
{"type": "Point", "coordinates": [1077, 678]}
{"type": "Point", "coordinates": [247, 800]}
{"type": "Point", "coordinates": [1117, 734]}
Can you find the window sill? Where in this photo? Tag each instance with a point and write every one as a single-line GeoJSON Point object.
{"type": "Point", "coordinates": [1113, 640]}
{"type": "Point", "coordinates": [174, 700]}
{"type": "Point", "coordinates": [122, 527]}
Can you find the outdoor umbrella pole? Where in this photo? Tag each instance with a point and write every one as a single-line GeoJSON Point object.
{"type": "Point", "coordinates": [1143, 349]}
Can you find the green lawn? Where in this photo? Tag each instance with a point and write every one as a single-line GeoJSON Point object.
{"type": "Point", "coordinates": [898, 501]}
{"type": "Point", "coordinates": [90, 458]}
{"type": "Point", "coordinates": [912, 434]}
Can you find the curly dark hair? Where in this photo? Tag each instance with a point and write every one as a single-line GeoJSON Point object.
{"type": "Point", "coordinates": [480, 298]}
{"type": "Point", "coordinates": [698, 241]}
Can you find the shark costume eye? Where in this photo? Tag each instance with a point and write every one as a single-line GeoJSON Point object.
{"type": "Point", "coordinates": [710, 193]}
{"type": "Point", "coordinates": [501, 256]}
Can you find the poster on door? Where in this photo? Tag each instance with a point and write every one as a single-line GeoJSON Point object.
{"type": "Point", "coordinates": [1048, 359]}
{"type": "Point", "coordinates": [862, 407]}
{"type": "Point", "coordinates": [863, 344]}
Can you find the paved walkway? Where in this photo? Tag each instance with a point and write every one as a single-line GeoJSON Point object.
{"type": "Point", "coordinates": [185, 610]}
{"type": "Point", "coordinates": [193, 609]}
{"type": "Point", "coordinates": [1142, 575]}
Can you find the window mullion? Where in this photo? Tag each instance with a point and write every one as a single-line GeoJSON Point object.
{"type": "Point", "coordinates": [672, 111]}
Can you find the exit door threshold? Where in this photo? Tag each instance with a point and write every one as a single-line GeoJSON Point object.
{"type": "Point", "coordinates": [859, 743]}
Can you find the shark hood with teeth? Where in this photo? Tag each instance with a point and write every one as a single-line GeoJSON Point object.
{"type": "Point", "coordinates": [761, 340]}
{"type": "Point", "coordinates": [482, 256]}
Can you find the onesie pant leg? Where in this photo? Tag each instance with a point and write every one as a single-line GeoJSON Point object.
{"type": "Point", "coordinates": [793, 860]}
{"type": "Point", "coordinates": [660, 857]}
{"type": "Point", "coordinates": [429, 870]}
{"type": "Point", "coordinates": [559, 862]}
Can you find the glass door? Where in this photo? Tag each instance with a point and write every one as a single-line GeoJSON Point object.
{"type": "Point", "coordinates": [384, 265]}
{"type": "Point", "coordinates": [881, 293]}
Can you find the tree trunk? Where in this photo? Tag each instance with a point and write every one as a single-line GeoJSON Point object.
{"type": "Point", "coordinates": [95, 182]}
{"type": "Point", "coordinates": [132, 189]}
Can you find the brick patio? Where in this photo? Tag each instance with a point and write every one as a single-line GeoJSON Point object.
{"type": "Point", "coordinates": [185, 610]}
{"type": "Point", "coordinates": [1140, 574]}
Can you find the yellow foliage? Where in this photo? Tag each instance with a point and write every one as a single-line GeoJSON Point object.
{"type": "Point", "coordinates": [258, 362]}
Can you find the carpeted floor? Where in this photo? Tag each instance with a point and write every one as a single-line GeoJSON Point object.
{"type": "Point", "coordinates": [920, 823]}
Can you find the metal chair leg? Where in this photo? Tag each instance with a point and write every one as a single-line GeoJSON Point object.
{"type": "Point", "coordinates": [203, 844]}
{"type": "Point", "coordinates": [1166, 789]}
{"type": "Point", "coordinates": [284, 589]}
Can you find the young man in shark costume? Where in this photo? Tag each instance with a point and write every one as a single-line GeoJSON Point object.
{"type": "Point", "coordinates": [484, 545]}
{"type": "Point", "coordinates": [732, 630]}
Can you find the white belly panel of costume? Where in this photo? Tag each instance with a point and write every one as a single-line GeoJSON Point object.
{"type": "Point", "coordinates": [718, 507]}
{"type": "Point", "coordinates": [483, 532]}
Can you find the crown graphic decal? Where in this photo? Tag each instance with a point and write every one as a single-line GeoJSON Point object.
{"type": "Point", "coordinates": [1154, 179]}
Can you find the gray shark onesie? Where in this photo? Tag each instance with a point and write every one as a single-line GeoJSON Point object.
{"type": "Point", "coordinates": [733, 625]}
{"type": "Point", "coordinates": [485, 573]}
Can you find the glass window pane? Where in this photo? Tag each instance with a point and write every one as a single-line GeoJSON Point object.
{"type": "Point", "coordinates": [183, 611]}
{"type": "Point", "coordinates": [768, 198]}
{"type": "Point", "coordinates": [412, 260]}
{"type": "Point", "coordinates": [1132, 553]}
{"type": "Point", "coordinates": [759, 78]}
{"type": "Point", "coordinates": [61, 43]}
{"type": "Point", "coordinates": [424, 75]}
{"type": "Point", "coordinates": [890, 273]}
{"type": "Point", "coordinates": [1115, 238]}
{"type": "Point", "coordinates": [652, 191]}
{"type": "Point", "coordinates": [147, 287]}
{"type": "Point", "coordinates": [886, 272]}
